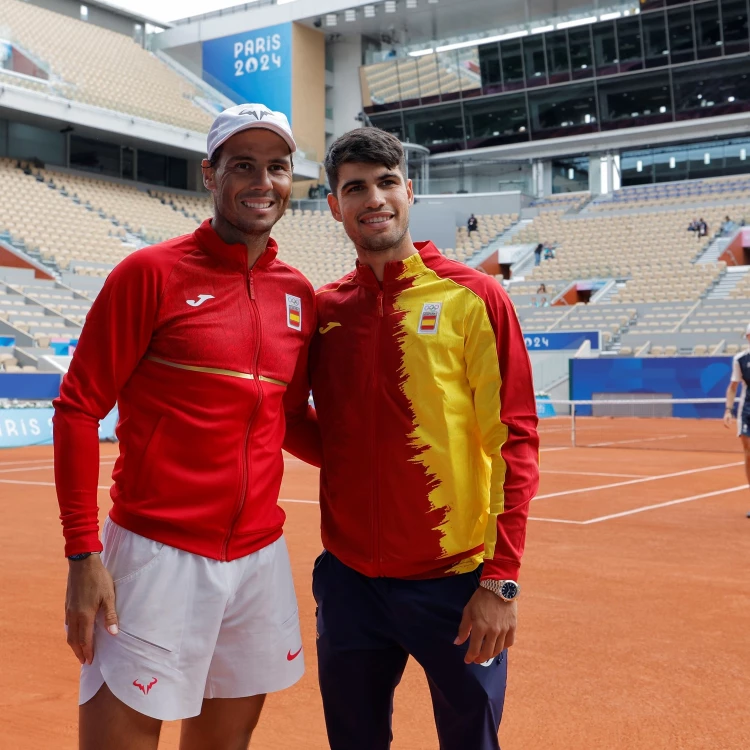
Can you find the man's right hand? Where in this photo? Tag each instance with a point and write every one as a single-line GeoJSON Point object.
{"type": "Point", "coordinates": [90, 587]}
{"type": "Point", "coordinates": [728, 419]}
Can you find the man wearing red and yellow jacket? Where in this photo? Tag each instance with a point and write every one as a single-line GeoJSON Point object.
{"type": "Point", "coordinates": [425, 402]}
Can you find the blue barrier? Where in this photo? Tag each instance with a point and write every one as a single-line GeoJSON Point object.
{"type": "Point", "coordinates": [679, 377]}
{"type": "Point", "coordinates": [548, 342]}
{"type": "Point", "coordinates": [20, 427]}
{"type": "Point", "coordinates": [30, 386]}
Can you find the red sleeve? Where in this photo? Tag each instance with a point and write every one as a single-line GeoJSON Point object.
{"type": "Point", "coordinates": [508, 424]}
{"type": "Point", "coordinates": [114, 339]}
{"type": "Point", "coordinates": [302, 437]}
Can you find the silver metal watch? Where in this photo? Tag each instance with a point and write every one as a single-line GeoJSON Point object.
{"type": "Point", "coordinates": [506, 590]}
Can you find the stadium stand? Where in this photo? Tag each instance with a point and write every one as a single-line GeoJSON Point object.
{"type": "Point", "coordinates": [420, 77]}
{"type": "Point", "coordinates": [654, 250]}
{"type": "Point", "coordinates": [96, 66]}
{"type": "Point", "coordinates": [38, 217]}
{"type": "Point", "coordinates": [664, 303]}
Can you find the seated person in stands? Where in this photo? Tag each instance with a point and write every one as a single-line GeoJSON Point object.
{"type": "Point", "coordinates": [549, 251]}
{"type": "Point", "coordinates": [472, 224]}
{"type": "Point", "coordinates": [693, 226]}
{"type": "Point", "coordinates": [728, 226]}
{"type": "Point", "coordinates": [544, 302]}
{"type": "Point", "coordinates": [541, 289]}
{"type": "Point", "coordinates": [702, 228]}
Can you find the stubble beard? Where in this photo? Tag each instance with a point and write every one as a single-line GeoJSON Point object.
{"type": "Point", "coordinates": [384, 242]}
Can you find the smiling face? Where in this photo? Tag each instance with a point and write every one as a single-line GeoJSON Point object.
{"type": "Point", "coordinates": [373, 203]}
{"type": "Point", "coordinates": [251, 181]}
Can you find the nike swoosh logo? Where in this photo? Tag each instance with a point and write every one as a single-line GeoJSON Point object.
{"type": "Point", "coordinates": [292, 656]}
{"type": "Point", "coordinates": [201, 299]}
{"type": "Point", "coordinates": [329, 327]}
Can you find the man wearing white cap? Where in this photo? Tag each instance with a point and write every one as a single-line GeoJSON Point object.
{"type": "Point", "coordinates": [740, 374]}
{"type": "Point", "coordinates": [186, 609]}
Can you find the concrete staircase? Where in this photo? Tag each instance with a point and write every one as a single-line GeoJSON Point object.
{"type": "Point", "coordinates": [495, 244]}
{"type": "Point", "coordinates": [728, 282]}
{"type": "Point", "coordinates": [712, 252]}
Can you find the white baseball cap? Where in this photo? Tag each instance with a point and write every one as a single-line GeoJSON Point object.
{"type": "Point", "coordinates": [747, 330]}
{"type": "Point", "coordinates": [244, 117]}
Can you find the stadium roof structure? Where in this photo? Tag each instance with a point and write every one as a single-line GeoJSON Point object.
{"type": "Point", "coordinates": [139, 17]}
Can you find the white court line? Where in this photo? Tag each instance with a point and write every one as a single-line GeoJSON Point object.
{"type": "Point", "coordinates": [531, 518]}
{"type": "Point", "coordinates": [638, 481]}
{"type": "Point", "coordinates": [44, 461]}
{"type": "Point", "coordinates": [552, 450]}
{"type": "Point", "coordinates": [590, 473]}
{"type": "Point", "coordinates": [635, 440]}
{"type": "Point", "coordinates": [664, 505]}
{"type": "Point", "coordinates": [45, 466]}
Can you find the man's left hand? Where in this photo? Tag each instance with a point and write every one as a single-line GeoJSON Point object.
{"type": "Point", "coordinates": [491, 623]}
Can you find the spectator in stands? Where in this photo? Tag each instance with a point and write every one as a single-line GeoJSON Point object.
{"type": "Point", "coordinates": [542, 289]}
{"type": "Point", "coordinates": [544, 302]}
{"type": "Point", "coordinates": [472, 224]}
{"type": "Point", "coordinates": [727, 227]}
{"type": "Point", "coordinates": [740, 376]}
{"type": "Point", "coordinates": [433, 573]}
{"type": "Point", "coordinates": [202, 342]}
{"type": "Point", "coordinates": [693, 226]}
{"type": "Point", "coordinates": [549, 251]}
{"type": "Point", "coordinates": [538, 250]}
{"type": "Point", "coordinates": [702, 228]}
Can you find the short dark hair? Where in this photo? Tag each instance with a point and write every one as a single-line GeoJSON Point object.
{"type": "Point", "coordinates": [365, 145]}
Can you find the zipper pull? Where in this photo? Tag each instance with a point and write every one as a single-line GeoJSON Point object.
{"type": "Point", "coordinates": [380, 304]}
{"type": "Point", "coordinates": [252, 286]}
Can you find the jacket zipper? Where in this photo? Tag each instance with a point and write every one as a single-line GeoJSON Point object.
{"type": "Point", "coordinates": [375, 443]}
{"type": "Point", "coordinates": [256, 408]}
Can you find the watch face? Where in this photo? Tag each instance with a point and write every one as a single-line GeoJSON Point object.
{"type": "Point", "coordinates": [509, 590]}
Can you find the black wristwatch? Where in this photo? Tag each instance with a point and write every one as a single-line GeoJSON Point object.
{"type": "Point", "coordinates": [81, 556]}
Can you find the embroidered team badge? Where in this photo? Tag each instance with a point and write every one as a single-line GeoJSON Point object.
{"type": "Point", "coordinates": [430, 318]}
{"type": "Point", "coordinates": [294, 312]}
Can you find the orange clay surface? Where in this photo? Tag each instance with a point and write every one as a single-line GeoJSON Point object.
{"type": "Point", "coordinates": [634, 618]}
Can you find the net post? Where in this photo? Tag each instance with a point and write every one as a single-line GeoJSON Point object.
{"type": "Point", "coordinates": [573, 424]}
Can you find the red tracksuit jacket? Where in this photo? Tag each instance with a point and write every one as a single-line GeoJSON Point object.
{"type": "Point", "coordinates": [204, 358]}
{"type": "Point", "coordinates": [426, 408]}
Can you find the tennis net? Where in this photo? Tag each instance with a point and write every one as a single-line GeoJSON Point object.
{"type": "Point", "coordinates": [650, 421]}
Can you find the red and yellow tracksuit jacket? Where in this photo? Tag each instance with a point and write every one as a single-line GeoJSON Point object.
{"type": "Point", "coordinates": [207, 360]}
{"type": "Point", "coordinates": [425, 402]}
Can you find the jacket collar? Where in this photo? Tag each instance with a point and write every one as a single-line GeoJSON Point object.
{"type": "Point", "coordinates": [400, 271]}
{"type": "Point", "coordinates": [233, 256]}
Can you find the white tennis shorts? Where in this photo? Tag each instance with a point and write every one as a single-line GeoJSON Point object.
{"type": "Point", "coordinates": [193, 628]}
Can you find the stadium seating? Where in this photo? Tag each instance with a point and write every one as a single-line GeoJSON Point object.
{"type": "Point", "coordinates": [419, 77]}
{"type": "Point", "coordinates": [96, 66]}
{"type": "Point", "coordinates": [40, 218]}
{"type": "Point", "coordinates": [654, 250]}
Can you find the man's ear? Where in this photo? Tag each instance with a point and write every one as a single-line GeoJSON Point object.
{"type": "Point", "coordinates": [333, 204]}
{"type": "Point", "coordinates": [410, 192]}
{"type": "Point", "coordinates": [209, 175]}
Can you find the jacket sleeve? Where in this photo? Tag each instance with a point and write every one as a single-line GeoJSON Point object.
{"type": "Point", "coordinates": [302, 438]}
{"type": "Point", "coordinates": [114, 339]}
{"type": "Point", "coordinates": [499, 373]}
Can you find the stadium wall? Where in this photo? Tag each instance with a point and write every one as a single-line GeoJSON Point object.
{"type": "Point", "coordinates": [308, 92]}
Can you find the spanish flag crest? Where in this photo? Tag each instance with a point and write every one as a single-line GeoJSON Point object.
{"type": "Point", "coordinates": [294, 312]}
{"type": "Point", "coordinates": [430, 318]}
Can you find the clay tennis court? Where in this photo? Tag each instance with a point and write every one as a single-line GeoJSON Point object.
{"type": "Point", "coordinates": [634, 616]}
